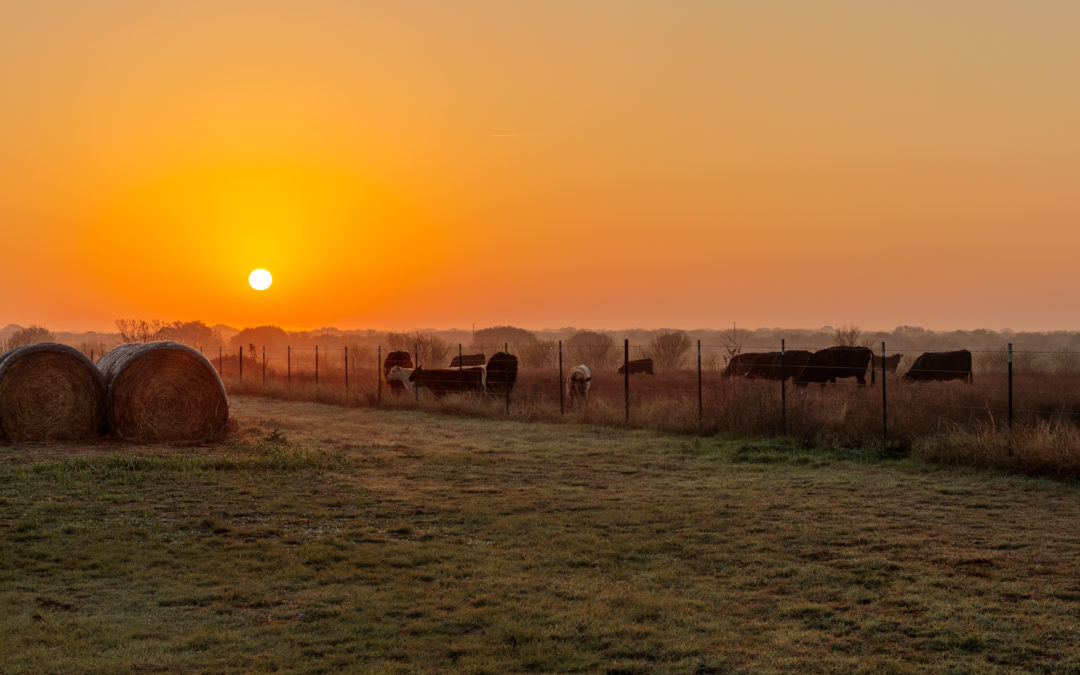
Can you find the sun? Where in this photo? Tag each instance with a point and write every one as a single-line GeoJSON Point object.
{"type": "Point", "coordinates": [260, 279]}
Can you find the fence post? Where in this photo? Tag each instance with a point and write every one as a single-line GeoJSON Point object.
{"type": "Point", "coordinates": [562, 395]}
{"type": "Point", "coordinates": [626, 376]}
{"type": "Point", "coordinates": [220, 360]}
{"type": "Point", "coordinates": [783, 387]}
{"type": "Point", "coordinates": [346, 373]}
{"type": "Point", "coordinates": [416, 364]}
{"type": "Point", "coordinates": [700, 401]}
{"type": "Point", "coordinates": [288, 361]}
{"type": "Point", "coordinates": [378, 372]}
{"type": "Point", "coordinates": [264, 366]}
{"type": "Point", "coordinates": [241, 364]}
{"type": "Point", "coordinates": [1010, 398]}
{"type": "Point", "coordinates": [506, 348]}
{"type": "Point", "coordinates": [884, 402]}
{"type": "Point", "coordinates": [460, 367]}
{"type": "Point", "coordinates": [316, 365]}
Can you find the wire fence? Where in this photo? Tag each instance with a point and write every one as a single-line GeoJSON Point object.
{"type": "Point", "coordinates": [1000, 388]}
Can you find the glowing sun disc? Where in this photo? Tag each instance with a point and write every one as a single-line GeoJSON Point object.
{"type": "Point", "coordinates": [260, 279]}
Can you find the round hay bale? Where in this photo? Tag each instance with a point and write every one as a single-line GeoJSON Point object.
{"type": "Point", "coordinates": [163, 391]}
{"type": "Point", "coordinates": [50, 392]}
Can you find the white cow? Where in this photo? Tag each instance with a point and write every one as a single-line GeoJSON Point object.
{"type": "Point", "coordinates": [402, 375]}
{"type": "Point", "coordinates": [578, 383]}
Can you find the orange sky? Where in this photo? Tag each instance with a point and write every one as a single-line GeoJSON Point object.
{"type": "Point", "coordinates": [402, 165]}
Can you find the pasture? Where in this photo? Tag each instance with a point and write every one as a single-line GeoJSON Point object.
{"type": "Point", "coordinates": [325, 538]}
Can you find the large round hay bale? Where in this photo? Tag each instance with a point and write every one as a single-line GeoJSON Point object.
{"type": "Point", "coordinates": [163, 391]}
{"type": "Point", "coordinates": [50, 392]}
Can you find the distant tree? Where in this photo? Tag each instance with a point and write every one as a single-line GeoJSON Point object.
{"type": "Point", "coordinates": [592, 349]}
{"type": "Point", "coordinates": [540, 354]}
{"type": "Point", "coordinates": [431, 350]}
{"type": "Point", "coordinates": [847, 335]}
{"type": "Point", "coordinates": [265, 336]}
{"type": "Point", "coordinates": [497, 337]}
{"type": "Point", "coordinates": [668, 349]}
{"type": "Point", "coordinates": [192, 333]}
{"type": "Point", "coordinates": [140, 330]}
{"type": "Point", "coordinates": [733, 342]}
{"type": "Point", "coordinates": [29, 336]}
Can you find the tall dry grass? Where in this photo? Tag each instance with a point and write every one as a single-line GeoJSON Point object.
{"type": "Point", "coordinates": [944, 421]}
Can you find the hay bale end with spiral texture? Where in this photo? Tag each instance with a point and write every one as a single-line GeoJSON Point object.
{"type": "Point", "coordinates": [50, 392]}
{"type": "Point", "coordinates": [163, 391]}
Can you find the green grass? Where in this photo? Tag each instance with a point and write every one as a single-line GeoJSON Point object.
{"type": "Point", "coordinates": [322, 539]}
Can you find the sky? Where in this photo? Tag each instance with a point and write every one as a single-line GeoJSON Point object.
{"type": "Point", "coordinates": [599, 164]}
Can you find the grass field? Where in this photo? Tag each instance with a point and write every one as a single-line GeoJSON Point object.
{"type": "Point", "coordinates": [325, 539]}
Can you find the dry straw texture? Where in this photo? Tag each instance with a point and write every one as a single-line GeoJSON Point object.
{"type": "Point", "coordinates": [50, 392]}
{"type": "Point", "coordinates": [163, 391]}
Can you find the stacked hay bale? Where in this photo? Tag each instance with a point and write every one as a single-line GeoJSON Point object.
{"type": "Point", "coordinates": [50, 392]}
{"type": "Point", "coordinates": [163, 391]}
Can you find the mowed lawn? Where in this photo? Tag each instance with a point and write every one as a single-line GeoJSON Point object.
{"type": "Point", "coordinates": [329, 539]}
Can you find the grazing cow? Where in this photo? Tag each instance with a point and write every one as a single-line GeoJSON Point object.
{"type": "Point", "coordinates": [766, 365]}
{"type": "Point", "coordinates": [578, 383]}
{"type": "Point", "coordinates": [941, 366]}
{"type": "Point", "coordinates": [400, 359]}
{"type": "Point", "coordinates": [740, 364]}
{"type": "Point", "coordinates": [468, 361]}
{"type": "Point", "coordinates": [440, 381]}
{"type": "Point", "coordinates": [637, 366]}
{"type": "Point", "coordinates": [399, 379]}
{"type": "Point", "coordinates": [827, 365]}
{"type": "Point", "coordinates": [501, 373]}
{"type": "Point", "coordinates": [891, 363]}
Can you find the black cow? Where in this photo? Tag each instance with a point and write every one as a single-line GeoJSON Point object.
{"type": "Point", "coordinates": [449, 380]}
{"type": "Point", "coordinates": [741, 364]}
{"type": "Point", "coordinates": [766, 365]}
{"type": "Point", "coordinates": [941, 366]}
{"type": "Point", "coordinates": [501, 373]}
{"type": "Point", "coordinates": [402, 359]}
{"type": "Point", "coordinates": [637, 366]}
{"type": "Point", "coordinates": [827, 365]}
{"type": "Point", "coordinates": [468, 361]}
{"type": "Point", "coordinates": [891, 363]}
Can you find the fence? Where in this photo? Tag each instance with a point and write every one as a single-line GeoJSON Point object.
{"type": "Point", "coordinates": [701, 397]}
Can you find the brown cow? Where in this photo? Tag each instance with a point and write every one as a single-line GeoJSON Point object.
{"type": "Point", "coordinates": [442, 381]}
{"type": "Point", "coordinates": [468, 361]}
{"type": "Point", "coordinates": [637, 366]}
{"type": "Point", "coordinates": [827, 365]}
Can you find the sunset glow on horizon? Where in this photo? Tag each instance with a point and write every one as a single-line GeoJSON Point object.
{"type": "Point", "coordinates": [599, 165]}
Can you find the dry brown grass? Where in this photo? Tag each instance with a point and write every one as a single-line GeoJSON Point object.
{"type": "Point", "coordinates": [941, 415]}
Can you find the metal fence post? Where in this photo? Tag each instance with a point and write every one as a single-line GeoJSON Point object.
{"type": "Point", "coordinates": [316, 365]}
{"type": "Point", "coordinates": [562, 395]}
{"type": "Point", "coordinates": [626, 376]}
{"type": "Point", "coordinates": [288, 365]}
{"type": "Point", "coordinates": [241, 363]}
{"type": "Point", "coordinates": [783, 388]}
{"type": "Point", "coordinates": [884, 402]}
{"type": "Point", "coordinates": [378, 371]}
{"type": "Point", "coordinates": [220, 360]}
{"type": "Point", "coordinates": [700, 400]}
{"type": "Point", "coordinates": [346, 372]}
{"type": "Point", "coordinates": [1010, 392]}
{"type": "Point", "coordinates": [264, 366]}
{"type": "Point", "coordinates": [506, 348]}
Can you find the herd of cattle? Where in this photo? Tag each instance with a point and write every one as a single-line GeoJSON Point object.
{"type": "Point", "coordinates": [497, 375]}
{"type": "Point", "coordinates": [828, 365]}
